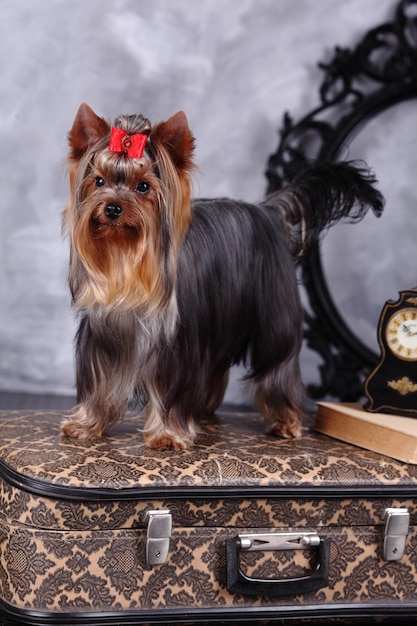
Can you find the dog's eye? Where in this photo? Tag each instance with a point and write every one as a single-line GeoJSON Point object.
{"type": "Point", "coordinates": [143, 187]}
{"type": "Point", "coordinates": [100, 181]}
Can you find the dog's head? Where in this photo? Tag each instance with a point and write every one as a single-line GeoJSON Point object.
{"type": "Point", "coordinates": [129, 205]}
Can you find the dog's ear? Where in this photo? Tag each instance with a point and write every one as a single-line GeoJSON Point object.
{"type": "Point", "coordinates": [86, 130]}
{"type": "Point", "coordinates": [177, 139]}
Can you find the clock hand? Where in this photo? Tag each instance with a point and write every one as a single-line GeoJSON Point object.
{"type": "Point", "coordinates": [407, 329]}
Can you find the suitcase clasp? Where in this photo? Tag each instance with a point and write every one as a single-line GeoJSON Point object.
{"type": "Point", "coordinates": [159, 527]}
{"type": "Point", "coordinates": [396, 530]}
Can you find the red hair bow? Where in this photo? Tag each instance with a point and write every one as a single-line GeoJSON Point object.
{"type": "Point", "coordinates": [133, 145]}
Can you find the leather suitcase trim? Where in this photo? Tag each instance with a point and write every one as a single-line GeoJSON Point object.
{"type": "Point", "coordinates": [80, 494]}
{"type": "Point", "coordinates": [366, 611]}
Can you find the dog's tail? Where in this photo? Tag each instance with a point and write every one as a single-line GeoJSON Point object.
{"type": "Point", "coordinates": [321, 194]}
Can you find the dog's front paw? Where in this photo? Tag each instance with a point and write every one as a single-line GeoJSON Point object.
{"type": "Point", "coordinates": [79, 426]}
{"type": "Point", "coordinates": [78, 431]}
{"type": "Point", "coordinates": [163, 441]}
{"type": "Point", "coordinates": [169, 432]}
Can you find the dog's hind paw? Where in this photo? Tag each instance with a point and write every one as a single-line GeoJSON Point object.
{"type": "Point", "coordinates": [288, 428]}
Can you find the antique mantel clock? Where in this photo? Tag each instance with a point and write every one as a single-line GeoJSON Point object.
{"type": "Point", "coordinates": [392, 386]}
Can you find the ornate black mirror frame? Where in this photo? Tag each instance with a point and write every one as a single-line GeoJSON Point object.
{"type": "Point", "coordinates": [358, 84]}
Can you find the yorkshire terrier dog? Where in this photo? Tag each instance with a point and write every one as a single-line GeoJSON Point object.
{"type": "Point", "coordinates": [172, 292]}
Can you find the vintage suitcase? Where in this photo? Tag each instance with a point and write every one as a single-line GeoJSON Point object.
{"type": "Point", "coordinates": [242, 527]}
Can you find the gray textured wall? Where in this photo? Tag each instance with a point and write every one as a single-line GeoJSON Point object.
{"type": "Point", "coordinates": [234, 66]}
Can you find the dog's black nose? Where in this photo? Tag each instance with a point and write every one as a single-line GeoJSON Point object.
{"type": "Point", "coordinates": [113, 211]}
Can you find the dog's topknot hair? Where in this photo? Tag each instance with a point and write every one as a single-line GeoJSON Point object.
{"type": "Point", "coordinates": [133, 124]}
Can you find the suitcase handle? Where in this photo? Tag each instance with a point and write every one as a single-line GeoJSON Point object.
{"type": "Point", "coordinates": [238, 582]}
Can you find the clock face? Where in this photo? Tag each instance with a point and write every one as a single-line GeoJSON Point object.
{"type": "Point", "coordinates": [401, 334]}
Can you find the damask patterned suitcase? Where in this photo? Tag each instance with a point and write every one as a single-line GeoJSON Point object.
{"type": "Point", "coordinates": [242, 526]}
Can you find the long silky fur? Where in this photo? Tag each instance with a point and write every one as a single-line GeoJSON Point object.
{"type": "Point", "coordinates": [241, 302]}
{"type": "Point", "coordinates": [224, 292]}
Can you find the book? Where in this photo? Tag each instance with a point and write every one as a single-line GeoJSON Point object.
{"type": "Point", "coordinates": [392, 435]}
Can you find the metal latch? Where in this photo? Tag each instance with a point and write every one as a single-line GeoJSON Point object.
{"type": "Point", "coordinates": [278, 541]}
{"type": "Point", "coordinates": [159, 527]}
{"type": "Point", "coordinates": [396, 530]}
